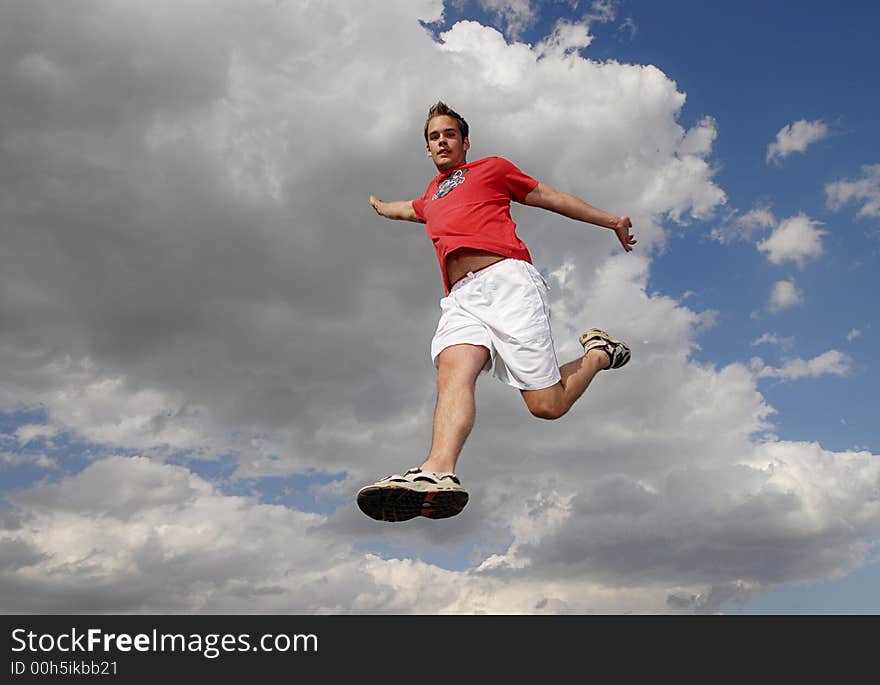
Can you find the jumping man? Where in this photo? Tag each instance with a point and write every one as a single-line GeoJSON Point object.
{"type": "Point", "coordinates": [495, 315]}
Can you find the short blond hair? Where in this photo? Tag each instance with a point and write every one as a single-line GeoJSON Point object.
{"type": "Point", "coordinates": [442, 109]}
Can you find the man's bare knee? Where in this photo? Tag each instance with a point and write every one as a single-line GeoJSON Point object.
{"type": "Point", "coordinates": [549, 413]}
{"type": "Point", "coordinates": [548, 410]}
{"type": "Point", "coordinates": [452, 378]}
{"type": "Point", "coordinates": [548, 404]}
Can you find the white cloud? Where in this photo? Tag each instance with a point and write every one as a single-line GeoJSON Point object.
{"type": "Point", "coordinates": [796, 239]}
{"type": "Point", "coordinates": [38, 459]}
{"type": "Point", "coordinates": [744, 226]}
{"type": "Point", "coordinates": [241, 332]}
{"type": "Point", "coordinates": [796, 137]}
{"type": "Point", "coordinates": [43, 75]}
{"type": "Point", "coordinates": [111, 411]}
{"type": "Point", "coordinates": [229, 291]}
{"type": "Point", "coordinates": [784, 296]}
{"type": "Point", "coordinates": [129, 534]}
{"type": "Point", "coordinates": [34, 431]}
{"type": "Point", "coordinates": [603, 10]}
{"type": "Point", "coordinates": [566, 37]}
{"type": "Point", "coordinates": [760, 217]}
{"type": "Point", "coordinates": [517, 15]}
{"type": "Point", "coordinates": [773, 339]}
{"type": "Point", "coordinates": [628, 26]}
{"type": "Point", "coordinates": [677, 180]}
{"type": "Point", "coordinates": [830, 363]}
{"type": "Point", "coordinates": [699, 139]}
{"type": "Point", "coordinates": [722, 504]}
{"type": "Point", "coordinates": [865, 190]}
{"type": "Point", "coordinates": [853, 334]}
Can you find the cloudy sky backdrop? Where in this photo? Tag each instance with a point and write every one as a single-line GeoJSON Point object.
{"type": "Point", "coordinates": [209, 341]}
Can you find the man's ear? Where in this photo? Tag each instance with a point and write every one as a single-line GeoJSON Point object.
{"type": "Point", "coordinates": [467, 144]}
{"type": "Point", "coordinates": [428, 149]}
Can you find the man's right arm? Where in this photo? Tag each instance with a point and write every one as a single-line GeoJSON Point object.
{"type": "Point", "coordinates": [400, 209]}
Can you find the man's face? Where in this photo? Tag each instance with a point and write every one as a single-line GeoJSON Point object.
{"type": "Point", "coordinates": [445, 144]}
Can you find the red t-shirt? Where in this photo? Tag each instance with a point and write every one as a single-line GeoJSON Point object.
{"type": "Point", "coordinates": [469, 206]}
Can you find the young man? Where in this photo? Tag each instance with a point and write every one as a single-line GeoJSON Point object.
{"type": "Point", "coordinates": [494, 316]}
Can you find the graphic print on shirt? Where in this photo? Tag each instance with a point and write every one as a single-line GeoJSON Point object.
{"type": "Point", "coordinates": [456, 179]}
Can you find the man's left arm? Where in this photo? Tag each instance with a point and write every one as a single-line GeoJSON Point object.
{"type": "Point", "coordinates": [545, 197]}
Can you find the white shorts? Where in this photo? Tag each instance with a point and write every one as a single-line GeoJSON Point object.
{"type": "Point", "coordinates": [503, 308]}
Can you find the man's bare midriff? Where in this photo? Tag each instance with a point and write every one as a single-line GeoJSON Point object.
{"type": "Point", "coordinates": [466, 259]}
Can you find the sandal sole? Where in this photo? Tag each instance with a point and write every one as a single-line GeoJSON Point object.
{"type": "Point", "coordinates": [395, 503]}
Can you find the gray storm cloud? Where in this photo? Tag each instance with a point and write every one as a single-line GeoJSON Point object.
{"type": "Point", "coordinates": [189, 266]}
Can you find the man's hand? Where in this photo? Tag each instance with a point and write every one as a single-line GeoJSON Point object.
{"type": "Point", "coordinates": [375, 202]}
{"type": "Point", "coordinates": [399, 209]}
{"type": "Point", "coordinates": [621, 227]}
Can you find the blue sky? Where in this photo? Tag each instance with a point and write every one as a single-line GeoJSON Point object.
{"type": "Point", "coordinates": [756, 67]}
{"type": "Point", "coordinates": [202, 325]}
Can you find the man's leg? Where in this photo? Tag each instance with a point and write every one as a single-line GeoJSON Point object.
{"type": "Point", "coordinates": [457, 370]}
{"type": "Point", "coordinates": [553, 402]}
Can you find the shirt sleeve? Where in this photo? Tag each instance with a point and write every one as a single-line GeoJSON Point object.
{"type": "Point", "coordinates": [518, 183]}
{"type": "Point", "coordinates": [419, 208]}
{"type": "Point", "coordinates": [419, 205]}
